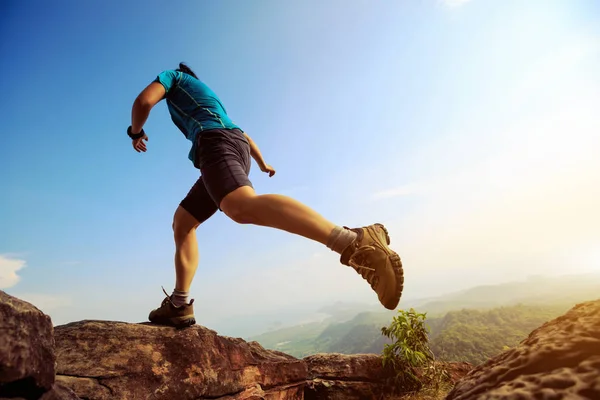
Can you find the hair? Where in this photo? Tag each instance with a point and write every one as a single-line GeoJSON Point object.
{"type": "Point", "coordinates": [184, 68]}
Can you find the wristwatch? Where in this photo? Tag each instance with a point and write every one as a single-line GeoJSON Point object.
{"type": "Point", "coordinates": [135, 135]}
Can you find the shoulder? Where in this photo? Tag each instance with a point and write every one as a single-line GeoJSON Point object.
{"type": "Point", "coordinates": [168, 78]}
{"type": "Point", "coordinates": [169, 73]}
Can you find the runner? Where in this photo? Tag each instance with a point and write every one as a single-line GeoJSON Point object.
{"type": "Point", "coordinates": [222, 152]}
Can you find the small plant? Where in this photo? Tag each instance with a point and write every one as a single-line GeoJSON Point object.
{"type": "Point", "coordinates": [409, 354]}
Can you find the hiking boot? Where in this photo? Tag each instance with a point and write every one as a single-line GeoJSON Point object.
{"type": "Point", "coordinates": [372, 258]}
{"type": "Point", "coordinates": [169, 314]}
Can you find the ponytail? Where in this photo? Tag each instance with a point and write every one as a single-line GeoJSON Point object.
{"type": "Point", "coordinates": [184, 68]}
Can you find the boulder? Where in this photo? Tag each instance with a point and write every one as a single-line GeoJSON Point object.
{"type": "Point", "coordinates": [559, 360]}
{"type": "Point", "coordinates": [115, 360]}
{"type": "Point", "coordinates": [358, 377]}
{"type": "Point", "coordinates": [27, 361]}
{"type": "Point", "coordinates": [59, 392]}
{"type": "Point", "coordinates": [347, 376]}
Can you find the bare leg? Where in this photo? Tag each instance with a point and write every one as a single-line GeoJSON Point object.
{"type": "Point", "coordinates": [369, 254]}
{"type": "Point", "coordinates": [186, 249]}
{"type": "Point", "coordinates": [244, 206]}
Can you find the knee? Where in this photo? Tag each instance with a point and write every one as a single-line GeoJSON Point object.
{"type": "Point", "coordinates": [183, 224]}
{"type": "Point", "coordinates": [238, 211]}
{"type": "Point", "coordinates": [239, 204]}
{"type": "Point", "coordinates": [180, 230]}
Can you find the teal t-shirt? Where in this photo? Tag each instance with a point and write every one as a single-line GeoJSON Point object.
{"type": "Point", "coordinates": [193, 106]}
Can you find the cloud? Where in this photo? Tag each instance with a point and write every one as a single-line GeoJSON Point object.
{"type": "Point", "coordinates": [8, 271]}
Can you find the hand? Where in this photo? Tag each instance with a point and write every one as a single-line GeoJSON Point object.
{"type": "Point", "coordinates": [268, 169]}
{"type": "Point", "coordinates": [139, 145]}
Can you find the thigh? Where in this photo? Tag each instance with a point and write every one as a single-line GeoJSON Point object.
{"type": "Point", "coordinates": [225, 176]}
{"type": "Point", "coordinates": [198, 202]}
{"type": "Point", "coordinates": [225, 164]}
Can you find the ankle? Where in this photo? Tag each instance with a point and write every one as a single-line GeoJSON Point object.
{"type": "Point", "coordinates": [340, 238]}
{"type": "Point", "coordinates": [179, 298]}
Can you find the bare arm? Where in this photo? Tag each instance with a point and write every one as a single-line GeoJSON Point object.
{"type": "Point", "coordinates": [142, 105]}
{"type": "Point", "coordinates": [140, 111]}
{"type": "Point", "coordinates": [256, 154]}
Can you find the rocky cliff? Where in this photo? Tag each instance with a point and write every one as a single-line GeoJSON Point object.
{"type": "Point", "coordinates": [91, 360]}
{"type": "Point", "coordinates": [27, 358]}
{"type": "Point", "coordinates": [103, 360]}
{"type": "Point", "coordinates": [100, 360]}
{"type": "Point", "coordinates": [559, 360]}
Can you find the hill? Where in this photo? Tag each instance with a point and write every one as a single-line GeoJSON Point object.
{"type": "Point", "coordinates": [541, 290]}
{"type": "Point", "coordinates": [470, 325]}
{"type": "Point", "coordinates": [475, 336]}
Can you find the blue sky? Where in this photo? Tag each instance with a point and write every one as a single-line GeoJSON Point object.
{"type": "Point", "coordinates": [468, 127]}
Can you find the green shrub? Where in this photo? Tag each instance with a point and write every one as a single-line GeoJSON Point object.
{"type": "Point", "coordinates": [409, 353]}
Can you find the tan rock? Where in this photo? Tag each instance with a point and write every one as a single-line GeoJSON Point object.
{"type": "Point", "coordinates": [559, 360]}
{"type": "Point", "coordinates": [27, 358]}
{"type": "Point", "coordinates": [59, 392]}
{"type": "Point", "coordinates": [114, 360]}
{"type": "Point", "coordinates": [357, 377]}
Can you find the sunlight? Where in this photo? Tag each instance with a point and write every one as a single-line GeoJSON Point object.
{"type": "Point", "coordinates": [591, 258]}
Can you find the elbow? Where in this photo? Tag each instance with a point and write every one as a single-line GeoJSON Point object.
{"type": "Point", "coordinates": [142, 103]}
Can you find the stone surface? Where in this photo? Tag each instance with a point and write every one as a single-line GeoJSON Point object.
{"type": "Point", "coordinates": [357, 377]}
{"type": "Point", "coordinates": [559, 360]}
{"type": "Point", "coordinates": [59, 392]}
{"type": "Point", "coordinates": [353, 367]}
{"type": "Point", "coordinates": [27, 358]}
{"type": "Point", "coordinates": [289, 392]}
{"type": "Point", "coordinates": [113, 360]}
{"type": "Point", "coordinates": [348, 377]}
{"type": "Point", "coordinates": [457, 370]}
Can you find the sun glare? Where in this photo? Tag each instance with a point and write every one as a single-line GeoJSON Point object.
{"type": "Point", "coordinates": [589, 257]}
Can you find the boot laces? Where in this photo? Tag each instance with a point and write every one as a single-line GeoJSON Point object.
{"type": "Point", "coordinates": [361, 263]}
{"type": "Point", "coordinates": [167, 299]}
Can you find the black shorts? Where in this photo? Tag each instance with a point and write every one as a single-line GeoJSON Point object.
{"type": "Point", "coordinates": [223, 157]}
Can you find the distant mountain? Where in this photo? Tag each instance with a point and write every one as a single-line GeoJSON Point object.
{"type": "Point", "coordinates": [567, 289]}
{"type": "Point", "coordinates": [475, 336]}
{"type": "Point", "coordinates": [250, 325]}
{"type": "Point", "coordinates": [303, 340]}
{"type": "Point", "coordinates": [506, 312]}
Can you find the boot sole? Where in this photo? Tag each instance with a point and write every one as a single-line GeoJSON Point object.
{"type": "Point", "coordinates": [176, 322]}
{"type": "Point", "coordinates": [398, 272]}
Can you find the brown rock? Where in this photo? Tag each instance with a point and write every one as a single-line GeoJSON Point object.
{"type": "Point", "coordinates": [27, 358]}
{"type": "Point", "coordinates": [457, 370]}
{"type": "Point", "coordinates": [559, 360]}
{"type": "Point", "coordinates": [322, 389]}
{"type": "Point", "coordinates": [112, 360]}
{"type": "Point", "coordinates": [358, 376]}
{"type": "Point", "coordinates": [354, 367]}
{"type": "Point", "coordinates": [59, 392]}
{"type": "Point", "coordinates": [347, 376]}
{"type": "Point", "coordinates": [288, 392]}
{"type": "Point", "coordinates": [84, 387]}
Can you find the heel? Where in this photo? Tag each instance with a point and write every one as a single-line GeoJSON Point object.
{"type": "Point", "coordinates": [398, 272]}
{"type": "Point", "coordinates": [387, 235]}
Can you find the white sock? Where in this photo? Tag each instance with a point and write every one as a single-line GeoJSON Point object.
{"type": "Point", "coordinates": [340, 238]}
{"type": "Point", "coordinates": [179, 298]}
